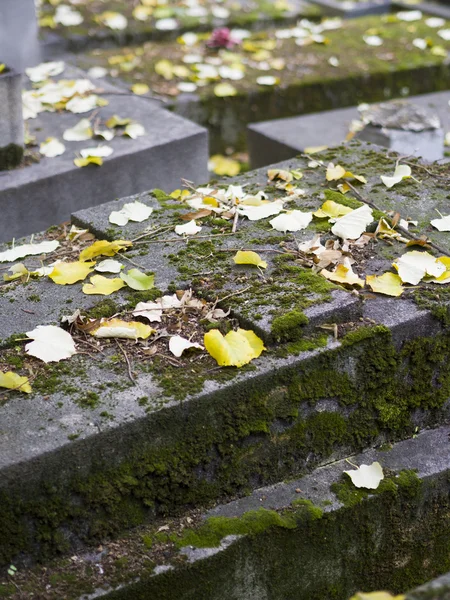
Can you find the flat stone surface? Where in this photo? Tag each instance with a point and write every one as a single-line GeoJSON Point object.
{"type": "Point", "coordinates": [44, 193]}
{"type": "Point", "coordinates": [283, 138]}
{"type": "Point", "coordinates": [438, 9]}
{"type": "Point", "coordinates": [350, 8]}
{"type": "Point", "coordinates": [302, 78]}
{"type": "Point", "coordinates": [93, 414]}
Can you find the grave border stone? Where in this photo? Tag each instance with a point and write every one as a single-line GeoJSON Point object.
{"type": "Point", "coordinates": [11, 120]}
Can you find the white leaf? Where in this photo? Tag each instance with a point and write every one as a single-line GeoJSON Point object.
{"type": "Point", "coordinates": [442, 224]}
{"type": "Point", "coordinates": [51, 148]}
{"type": "Point", "coordinates": [186, 86]}
{"type": "Point", "coordinates": [45, 70]}
{"type": "Point", "coordinates": [97, 72]}
{"type": "Point", "coordinates": [71, 318]}
{"type": "Point", "coordinates": [51, 343]}
{"type": "Point", "coordinates": [400, 173]}
{"type": "Point", "coordinates": [444, 34]}
{"type": "Point", "coordinates": [67, 16]}
{"type": "Point", "coordinates": [80, 132]}
{"type": "Point", "coordinates": [101, 151]}
{"type": "Point", "coordinates": [409, 15]}
{"type": "Point", "coordinates": [153, 310]}
{"type": "Point", "coordinates": [166, 24]}
{"type": "Point", "coordinates": [373, 40]}
{"type": "Point", "coordinates": [294, 220]}
{"type": "Point", "coordinates": [414, 265]}
{"type": "Point", "coordinates": [367, 476]}
{"type": "Point", "coordinates": [79, 105]}
{"type": "Point", "coordinates": [178, 344]}
{"type": "Point", "coordinates": [115, 20]}
{"type": "Point", "coordinates": [109, 265]}
{"type": "Point", "coordinates": [435, 22]}
{"type": "Point", "coordinates": [134, 130]}
{"type": "Point", "coordinates": [353, 224]}
{"type": "Point", "coordinates": [106, 134]}
{"type": "Point", "coordinates": [267, 80]}
{"type": "Point", "coordinates": [28, 250]}
{"type": "Point", "coordinates": [262, 211]}
{"type": "Point", "coordinates": [189, 228]}
{"type": "Point", "coordinates": [132, 211]}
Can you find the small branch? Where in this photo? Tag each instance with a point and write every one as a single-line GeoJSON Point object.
{"type": "Point", "coordinates": [130, 374]}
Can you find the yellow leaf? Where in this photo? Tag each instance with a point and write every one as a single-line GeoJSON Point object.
{"type": "Point", "coordinates": [222, 165]}
{"type": "Point", "coordinates": [102, 285]}
{"type": "Point", "coordinates": [12, 381]}
{"type": "Point", "coordinates": [140, 89]}
{"type": "Point", "coordinates": [315, 149]}
{"type": "Point", "coordinates": [90, 160]}
{"type": "Point", "coordinates": [388, 284]}
{"type": "Point", "coordinates": [19, 270]}
{"type": "Point", "coordinates": [337, 172]}
{"type": "Point", "coordinates": [67, 273]}
{"type": "Point", "coordinates": [236, 349]}
{"type": "Point", "coordinates": [222, 90]}
{"type": "Point", "coordinates": [116, 121]}
{"type": "Point", "coordinates": [280, 174]}
{"type": "Point", "coordinates": [116, 328]}
{"type": "Point", "coordinates": [332, 209]}
{"type": "Point", "coordinates": [343, 274]}
{"type": "Point", "coordinates": [376, 596]}
{"type": "Point", "coordinates": [104, 248]}
{"type": "Point", "coordinates": [249, 258]}
{"type": "Point", "coordinates": [180, 194]}
{"type": "Point", "coordinates": [445, 277]}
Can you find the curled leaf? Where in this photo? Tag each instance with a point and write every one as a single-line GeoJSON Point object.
{"type": "Point", "coordinates": [401, 172]}
{"type": "Point", "coordinates": [13, 381]}
{"type": "Point", "coordinates": [116, 328]}
{"type": "Point", "coordinates": [249, 258]}
{"type": "Point", "coordinates": [293, 220]}
{"type": "Point", "coordinates": [178, 344]}
{"type": "Point", "coordinates": [353, 224]}
{"type": "Point", "coordinates": [367, 476]}
{"type": "Point", "coordinates": [343, 274]}
{"type": "Point", "coordinates": [137, 280]}
{"type": "Point", "coordinates": [28, 250]}
{"type": "Point", "coordinates": [236, 349]}
{"type": "Point", "coordinates": [104, 248]}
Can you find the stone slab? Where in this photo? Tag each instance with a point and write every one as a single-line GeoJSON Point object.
{"type": "Point", "coordinates": [437, 9]}
{"type": "Point", "coordinates": [41, 194]}
{"type": "Point", "coordinates": [19, 44]}
{"type": "Point", "coordinates": [88, 423]}
{"type": "Point", "coordinates": [354, 9]}
{"type": "Point", "coordinates": [318, 554]}
{"type": "Point", "coordinates": [309, 82]}
{"type": "Point", "coordinates": [280, 139]}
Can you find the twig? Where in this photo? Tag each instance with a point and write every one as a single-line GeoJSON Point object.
{"type": "Point", "coordinates": [130, 374]}
{"type": "Point", "coordinates": [233, 294]}
{"type": "Point", "coordinates": [152, 233]}
{"type": "Point", "coordinates": [182, 239]}
{"type": "Point", "coordinates": [235, 221]}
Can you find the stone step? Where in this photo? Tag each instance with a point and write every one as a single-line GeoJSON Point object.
{"type": "Point", "coordinates": [309, 78]}
{"type": "Point", "coordinates": [166, 22]}
{"type": "Point", "coordinates": [114, 438]}
{"type": "Point", "coordinates": [438, 8]}
{"type": "Point", "coordinates": [354, 8]}
{"type": "Point", "coordinates": [281, 139]}
{"type": "Point", "coordinates": [48, 190]}
{"type": "Point", "coordinates": [310, 538]}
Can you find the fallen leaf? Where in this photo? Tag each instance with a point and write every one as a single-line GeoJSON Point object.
{"type": "Point", "coordinates": [249, 258]}
{"type": "Point", "coordinates": [52, 147]}
{"type": "Point", "coordinates": [153, 311]}
{"type": "Point", "coordinates": [367, 476]}
{"type": "Point", "coordinates": [190, 228]}
{"type": "Point", "coordinates": [388, 284]}
{"type": "Point", "coordinates": [80, 132]}
{"type": "Point", "coordinates": [282, 174]}
{"type": "Point", "coordinates": [223, 165]}
{"type": "Point", "coordinates": [109, 265]}
{"type": "Point", "coordinates": [104, 248]}
{"type": "Point", "coordinates": [51, 343]}
{"type": "Point", "coordinates": [132, 211]}
{"type": "Point", "coordinates": [178, 344]}
{"type": "Point", "coordinates": [331, 209]}
{"type": "Point", "coordinates": [45, 70]}
{"type": "Point", "coordinates": [353, 224]}
{"type": "Point", "coordinates": [116, 121]}
{"type": "Point", "coordinates": [13, 381]}
{"type": "Point", "coordinates": [293, 220]}
{"type": "Point", "coordinates": [260, 211]}
{"type": "Point", "coordinates": [335, 172]}
{"type": "Point", "coordinates": [140, 89]}
{"type": "Point", "coordinates": [401, 172]}
{"type": "Point", "coordinates": [28, 250]}
{"type": "Point", "coordinates": [343, 274]}
{"type": "Point", "coordinates": [442, 224]}
{"type": "Point", "coordinates": [66, 273]}
{"type": "Point", "coordinates": [113, 20]}
{"type": "Point", "coordinates": [102, 285]}
{"type": "Point", "coordinates": [223, 90]}
{"type": "Point", "coordinates": [134, 130]}
{"type": "Point", "coordinates": [137, 280]}
{"type": "Point", "coordinates": [445, 277]}
{"type": "Point", "coordinates": [116, 328]}
{"type": "Point", "coordinates": [377, 596]}
{"type": "Point", "coordinates": [414, 265]}
{"type": "Point", "coordinates": [96, 152]}
{"type": "Point", "coordinates": [236, 349]}
{"type": "Point", "coordinates": [85, 162]}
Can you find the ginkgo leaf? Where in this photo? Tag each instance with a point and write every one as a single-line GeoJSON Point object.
{"type": "Point", "coordinates": [367, 476]}
{"type": "Point", "coordinates": [79, 105]}
{"type": "Point", "coordinates": [137, 280]}
{"type": "Point", "coordinates": [134, 130]}
{"type": "Point", "coordinates": [401, 172]}
{"type": "Point", "coordinates": [52, 147]}
{"type": "Point", "coordinates": [140, 89]}
{"type": "Point", "coordinates": [442, 224]}
{"type": "Point", "coordinates": [225, 89]}
{"type": "Point", "coordinates": [28, 250]}
{"type": "Point", "coordinates": [236, 349]}
{"type": "Point", "coordinates": [44, 71]}
{"type": "Point", "coordinates": [248, 257]}
{"type": "Point", "coordinates": [153, 310]}
{"type": "Point", "coordinates": [260, 211]}
{"type": "Point", "coordinates": [109, 265]}
{"type": "Point", "coordinates": [81, 132]}
{"type": "Point", "coordinates": [343, 274]}
{"type": "Point", "coordinates": [116, 328]}
{"type": "Point", "coordinates": [190, 228]}
{"type": "Point", "coordinates": [335, 172]}
{"type": "Point", "coordinates": [102, 285]}
{"type": "Point", "coordinates": [445, 277]}
{"type": "Point", "coordinates": [85, 162]}
{"type": "Point", "coordinates": [331, 209]}
{"type": "Point", "coordinates": [113, 20]}
{"type": "Point", "coordinates": [96, 152]}
{"type": "Point", "coordinates": [13, 381]}
{"type": "Point", "coordinates": [178, 344]}
{"type": "Point", "coordinates": [353, 224]}
{"type": "Point", "coordinates": [104, 248]}
{"type": "Point", "coordinates": [293, 220]}
{"type": "Point", "coordinates": [65, 273]}
{"type": "Point", "coordinates": [388, 284]}
{"type": "Point", "coordinates": [223, 165]}
{"type": "Point", "coordinates": [17, 271]}
{"type": "Point", "coordinates": [116, 121]}
{"type": "Point", "coordinates": [282, 174]}
{"type": "Point", "coordinates": [377, 596]}
{"type": "Point", "coordinates": [414, 265]}
{"type": "Point", "coordinates": [51, 343]}
{"type": "Point", "coordinates": [132, 211]}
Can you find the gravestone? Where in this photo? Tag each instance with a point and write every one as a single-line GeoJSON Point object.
{"type": "Point", "coordinates": [354, 8]}
{"type": "Point", "coordinates": [11, 119]}
{"type": "Point", "coordinates": [283, 138]}
{"type": "Point", "coordinates": [40, 193]}
{"type": "Point", "coordinates": [19, 44]}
